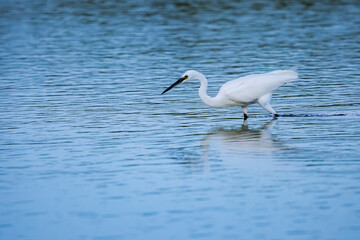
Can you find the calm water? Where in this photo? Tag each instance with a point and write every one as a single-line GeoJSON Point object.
{"type": "Point", "coordinates": [89, 149]}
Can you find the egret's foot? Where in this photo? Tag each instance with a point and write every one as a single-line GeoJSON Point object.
{"type": "Point", "coordinates": [245, 116]}
{"type": "Point", "coordinates": [276, 115]}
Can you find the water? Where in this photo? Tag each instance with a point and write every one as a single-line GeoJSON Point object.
{"type": "Point", "coordinates": [89, 149]}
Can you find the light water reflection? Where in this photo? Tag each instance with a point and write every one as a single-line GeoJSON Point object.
{"type": "Point", "coordinates": [244, 140]}
{"type": "Point", "coordinates": [251, 147]}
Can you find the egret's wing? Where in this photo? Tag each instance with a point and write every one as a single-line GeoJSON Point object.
{"type": "Point", "coordinates": [249, 88]}
{"type": "Point", "coordinates": [237, 83]}
{"type": "Point", "coordinates": [288, 74]}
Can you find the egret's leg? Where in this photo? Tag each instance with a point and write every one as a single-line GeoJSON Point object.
{"type": "Point", "coordinates": [245, 112]}
{"type": "Point", "coordinates": [264, 102]}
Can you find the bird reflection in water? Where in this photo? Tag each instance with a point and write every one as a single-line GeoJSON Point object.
{"type": "Point", "coordinates": [241, 144]}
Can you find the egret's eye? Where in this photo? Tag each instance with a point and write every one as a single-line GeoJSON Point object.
{"type": "Point", "coordinates": [186, 76]}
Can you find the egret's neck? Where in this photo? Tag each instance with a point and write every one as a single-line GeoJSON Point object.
{"type": "Point", "coordinates": [202, 92]}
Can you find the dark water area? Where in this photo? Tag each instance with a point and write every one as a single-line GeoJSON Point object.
{"type": "Point", "coordinates": [89, 149]}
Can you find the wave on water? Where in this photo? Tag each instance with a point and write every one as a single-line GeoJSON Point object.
{"type": "Point", "coordinates": [323, 114]}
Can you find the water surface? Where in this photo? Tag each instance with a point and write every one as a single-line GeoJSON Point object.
{"type": "Point", "coordinates": [89, 149]}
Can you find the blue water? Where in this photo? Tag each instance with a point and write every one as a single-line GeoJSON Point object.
{"type": "Point", "coordinates": [89, 149]}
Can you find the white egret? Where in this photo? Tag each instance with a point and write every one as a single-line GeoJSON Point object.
{"type": "Point", "coordinates": [241, 91]}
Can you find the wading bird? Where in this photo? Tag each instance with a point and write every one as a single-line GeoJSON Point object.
{"type": "Point", "coordinates": [241, 91]}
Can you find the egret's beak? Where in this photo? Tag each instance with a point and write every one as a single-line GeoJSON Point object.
{"type": "Point", "coordinates": [174, 84]}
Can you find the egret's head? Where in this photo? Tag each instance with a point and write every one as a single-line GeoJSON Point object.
{"type": "Point", "coordinates": [188, 75]}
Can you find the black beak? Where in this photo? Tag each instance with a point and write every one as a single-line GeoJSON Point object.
{"type": "Point", "coordinates": [174, 84]}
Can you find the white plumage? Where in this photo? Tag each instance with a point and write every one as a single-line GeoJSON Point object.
{"type": "Point", "coordinates": [241, 91]}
